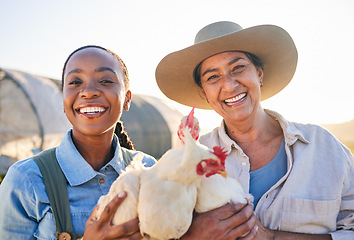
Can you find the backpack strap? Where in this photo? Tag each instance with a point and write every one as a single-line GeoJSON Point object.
{"type": "Point", "coordinates": [56, 186]}
{"type": "Point", "coordinates": [127, 156]}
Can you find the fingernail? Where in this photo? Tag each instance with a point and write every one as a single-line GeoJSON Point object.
{"type": "Point", "coordinates": [121, 194]}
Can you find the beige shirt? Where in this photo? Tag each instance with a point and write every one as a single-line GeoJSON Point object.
{"type": "Point", "coordinates": [316, 195]}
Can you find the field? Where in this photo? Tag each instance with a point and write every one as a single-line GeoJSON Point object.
{"type": "Point", "coordinates": [351, 147]}
{"type": "Point", "coordinates": [344, 132]}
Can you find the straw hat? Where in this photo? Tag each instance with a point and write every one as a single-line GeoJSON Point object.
{"type": "Point", "coordinates": [272, 44]}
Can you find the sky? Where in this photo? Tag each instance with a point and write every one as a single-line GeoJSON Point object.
{"type": "Point", "coordinates": [38, 35]}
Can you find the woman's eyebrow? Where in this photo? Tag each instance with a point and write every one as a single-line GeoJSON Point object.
{"type": "Point", "coordinates": [235, 60]}
{"type": "Point", "coordinates": [209, 70]}
{"type": "Point", "coordinates": [102, 69]}
{"type": "Point", "coordinates": [74, 71]}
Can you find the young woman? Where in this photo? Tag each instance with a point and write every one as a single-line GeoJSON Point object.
{"type": "Point", "coordinates": [95, 92]}
{"type": "Point", "coordinates": [301, 177]}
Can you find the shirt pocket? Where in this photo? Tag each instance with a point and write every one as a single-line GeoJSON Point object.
{"type": "Point", "coordinates": [309, 216]}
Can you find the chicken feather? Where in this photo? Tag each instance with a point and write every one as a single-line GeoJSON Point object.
{"type": "Point", "coordinates": [216, 191]}
{"type": "Point", "coordinates": [128, 181]}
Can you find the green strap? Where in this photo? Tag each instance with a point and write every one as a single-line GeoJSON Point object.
{"type": "Point", "coordinates": [56, 186]}
{"type": "Point", "coordinates": [127, 156]}
{"type": "Point", "coordinates": [57, 191]}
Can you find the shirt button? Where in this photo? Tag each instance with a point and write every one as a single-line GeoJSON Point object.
{"type": "Point", "coordinates": [107, 167]}
{"type": "Point", "coordinates": [64, 236]}
{"type": "Point", "coordinates": [101, 180]}
{"type": "Point", "coordinates": [243, 164]}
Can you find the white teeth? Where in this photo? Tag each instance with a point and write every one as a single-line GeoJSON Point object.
{"type": "Point", "coordinates": [235, 99]}
{"type": "Point", "coordinates": [92, 110]}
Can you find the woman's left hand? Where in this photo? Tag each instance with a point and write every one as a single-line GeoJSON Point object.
{"type": "Point", "coordinates": [103, 228]}
{"type": "Point", "coordinates": [263, 233]}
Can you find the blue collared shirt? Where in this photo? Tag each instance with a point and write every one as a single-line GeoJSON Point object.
{"type": "Point", "coordinates": [25, 212]}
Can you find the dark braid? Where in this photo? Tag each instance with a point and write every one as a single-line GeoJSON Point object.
{"type": "Point", "coordinates": [123, 137]}
{"type": "Point", "coordinates": [124, 140]}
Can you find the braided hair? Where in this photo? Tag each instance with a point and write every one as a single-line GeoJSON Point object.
{"type": "Point", "coordinates": [123, 137]}
{"type": "Point", "coordinates": [124, 140]}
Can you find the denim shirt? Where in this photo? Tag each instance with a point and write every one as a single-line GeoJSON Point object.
{"type": "Point", "coordinates": [25, 212]}
{"type": "Point", "coordinates": [316, 195]}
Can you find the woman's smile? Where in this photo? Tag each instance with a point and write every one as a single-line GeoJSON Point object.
{"type": "Point", "coordinates": [91, 111]}
{"type": "Point", "coordinates": [235, 100]}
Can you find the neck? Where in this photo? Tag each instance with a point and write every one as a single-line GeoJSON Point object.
{"type": "Point", "coordinates": [258, 128]}
{"type": "Point", "coordinates": [259, 139]}
{"type": "Point", "coordinates": [96, 150]}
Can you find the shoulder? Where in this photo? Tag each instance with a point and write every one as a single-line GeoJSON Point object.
{"type": "Point", "coordinates": [317, 134]}
{"type": "Point", "coordinates": [23, 181]}
{"type": "Point", "coordinates": [23, 168]}
{"type": "Point", "coordinates": [311, 129]}
{"type": "Point", "coordinates": [148, 160]}
{"type": "Point", "coordinates": [325, 144]}
{"type": "Point", "coordinates": [25, 176]}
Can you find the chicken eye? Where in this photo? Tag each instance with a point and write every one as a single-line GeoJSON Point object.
{"type": "Point", "coordinates": [212, 163]}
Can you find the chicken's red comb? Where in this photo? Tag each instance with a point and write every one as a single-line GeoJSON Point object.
{"type": "Point", "coordinates": [220, 153]}
{"type": "Point", "coordinates": [190, 118]}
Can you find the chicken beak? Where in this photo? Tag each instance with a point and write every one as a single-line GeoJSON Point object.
{"type": "Point", "coordinates": [223, 173]}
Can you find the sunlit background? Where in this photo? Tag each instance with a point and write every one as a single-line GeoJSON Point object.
{"type": "Point", "coordinates": [37, 36]}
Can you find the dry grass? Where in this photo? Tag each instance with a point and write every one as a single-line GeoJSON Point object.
{"type": "Point", "coordinates": [350, 146]}
{"type": "Point", "coordinates": [344, 132]}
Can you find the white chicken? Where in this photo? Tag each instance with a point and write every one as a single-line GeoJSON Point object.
{"type": "Point", "coordinates": [217, 190]}
{"type": "Point", "coordinates": [128, 181]}
{"type": "Point", "coordinates": [168, 191]}
{"type": "Point", "coordinates": [164, 196]}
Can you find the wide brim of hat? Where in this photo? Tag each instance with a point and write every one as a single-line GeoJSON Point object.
{"type": "Point", "coordinates": [272, 44]}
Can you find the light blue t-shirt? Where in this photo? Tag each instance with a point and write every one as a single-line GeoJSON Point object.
{"type": "Point", "coordinates": [261, 180]}
{"type": "Point", "coordinates": [25, 212]}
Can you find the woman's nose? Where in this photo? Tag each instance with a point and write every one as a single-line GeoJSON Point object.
{"type": "Point", "coordinates": [89, 90]}
{"type": "Point", "coordinates": [230, 83]}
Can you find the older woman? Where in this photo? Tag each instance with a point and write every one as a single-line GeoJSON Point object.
{"type": "Point", "coordinates": [301, 177]}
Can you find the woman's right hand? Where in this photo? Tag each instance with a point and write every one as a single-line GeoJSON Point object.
{"type": "Point", "coordinates": [103, 229]}
{"type": "Point", "coordinates": [232, 221]}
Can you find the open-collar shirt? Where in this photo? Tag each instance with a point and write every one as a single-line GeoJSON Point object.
{"type": "Point", "coordinates": [316, 195]}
